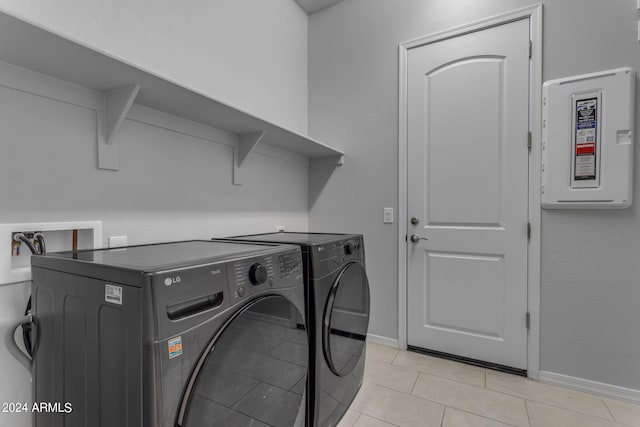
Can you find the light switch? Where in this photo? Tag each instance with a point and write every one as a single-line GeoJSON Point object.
{"type": "Point", "coordinates": [387, 216]}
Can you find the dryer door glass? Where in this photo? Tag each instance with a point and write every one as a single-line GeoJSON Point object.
{"type": "Point", "coordinates": [346, 319]}
{"type": "Point", "coordinates": [253, 372]}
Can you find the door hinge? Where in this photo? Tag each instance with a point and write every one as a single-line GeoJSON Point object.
{"type": "Point", "coordinates": [528, 320]}
{"type": "Point", "coordinates": [529, 140]}
{"type": "Point", "coordinates": [406, 238]}
{"type": "Point", "coordinates": [528, 230]}
{"type": "Point", "coordinates": [530, 49]}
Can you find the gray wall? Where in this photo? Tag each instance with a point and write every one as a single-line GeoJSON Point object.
{"type": "Point", "coordinates": [590, 270]}
{"type": "Point", "coordinates": [590, 314]}
{"type": "Point", "coordinates": [170, 186]}
{"type": "Point", "coordinates": [353, 99]}
{"type": "Point", "coordinates": [249, 53]}
{"type": "Point", "coordinates": [174, 182]}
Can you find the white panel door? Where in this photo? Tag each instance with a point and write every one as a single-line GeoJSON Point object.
{"type": "Point", "coordinates": [468, 100]}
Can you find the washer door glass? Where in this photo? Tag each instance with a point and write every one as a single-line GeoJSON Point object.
{"type": "Point", "coordinates": [346, 319]}
{"type": "Point", "coordinates": [253, 372]}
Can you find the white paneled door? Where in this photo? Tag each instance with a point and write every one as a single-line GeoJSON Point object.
{"type": "Point", "coordinates": [467, 111]}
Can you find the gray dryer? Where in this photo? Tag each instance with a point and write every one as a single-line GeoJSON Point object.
{"type": "Point", "coordinates": [337, 316]}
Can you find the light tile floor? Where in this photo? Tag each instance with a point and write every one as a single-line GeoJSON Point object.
{"type": "Point", "coordinates": [408, 389]}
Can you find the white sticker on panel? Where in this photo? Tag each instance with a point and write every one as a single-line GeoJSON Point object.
{"type": "Point", "coordinates": [113, 294]}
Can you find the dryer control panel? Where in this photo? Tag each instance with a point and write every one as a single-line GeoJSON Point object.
{"type": "Point", "coordinates": [331, 256]}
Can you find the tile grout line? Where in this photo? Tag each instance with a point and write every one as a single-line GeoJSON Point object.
{"type": "Point", "coordinates": [406, 370]}
{"type": "Point", "coordinates": [464, 383]}
{"type": "Point", "coordinates": [445, 405]}
{"type": "Point", "coordinates": [445, 378]}
{"type": "Point", "coordinates": [394, 358]}
{"type": "Point", "coordinates": [403, 368]}
{"type": "Point", "coordinates": [448, 362]}
{"type": "Point", "coordinates": [371, 381]}
{"type": "Point", "coordinates": [444, 411]}
{"type": "Point", "coordinates": [465, 410]}
{"type": "Point", "coordinates": [526, 408]}
{"type": "Point", "coordinates": [553, 405]}
{"type": "Point", "coordinates": [573, 390]}
{"type": "Point", "coordinates": [483, 416]}
{"type": "Point", "coordinates": [557, 387]}
{"type": "Point", "coordinates": [392, 389]}
{"type": "Point", "coordinates": [406, 394]}
{"type": "Point", "coordinates": [356, 420]}
{"type": "Point", "coordinates": [414, 384]}
{"type": "Point", "coordinates": [613, 417]}
{"type": "Point", "coordinates": [379, 419]}
{"type": "Point", "coordinates": [594, 417]}
{"type": "Point", "coordinates": [556, 406]}
{"type": "Point", "coordinates": [487, 388]}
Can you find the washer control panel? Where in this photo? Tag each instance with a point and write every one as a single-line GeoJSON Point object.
{"type": "Point", "coordinates": [290, 264]}
{"type": "Point", "coordinates": [252, 275]}
{"type": "Point", "coordinates": [258, 274]}
{"type": "Point", "coordinates": [253, 271]}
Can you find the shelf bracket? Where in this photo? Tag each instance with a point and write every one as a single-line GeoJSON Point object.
{"type": "Point", "coordinates": [329, 161]}
{"type": "Point", "coordinates": [117, 104]}
{"type": "Point", "coordinates": [246, 144]}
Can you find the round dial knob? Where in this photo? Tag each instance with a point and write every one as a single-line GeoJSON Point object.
{"type": "Point", "coordinates": [257, 274]}
{"type": "Point", "coordinates": [348, 248]}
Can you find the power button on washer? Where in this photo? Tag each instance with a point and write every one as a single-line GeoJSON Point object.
{"type": "Point", "coordinates": [241, 291]}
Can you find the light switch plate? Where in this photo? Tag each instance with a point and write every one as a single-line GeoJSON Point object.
{"type": "Point", "coordinates": [387, 216]}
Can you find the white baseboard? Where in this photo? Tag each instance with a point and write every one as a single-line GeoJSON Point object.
{"type": "Point", "coordinates": [602, 389]}
{"type": "Point", "coordinates": [382, 340]}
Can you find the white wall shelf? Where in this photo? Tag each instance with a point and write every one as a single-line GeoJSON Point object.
{"type": "Point", "coordinates": [28, 46]}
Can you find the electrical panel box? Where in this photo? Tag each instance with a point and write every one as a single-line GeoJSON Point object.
{"type": "Point", "coordinates": [587, 141]}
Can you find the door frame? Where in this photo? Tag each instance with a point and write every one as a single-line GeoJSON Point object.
{"type": "Point", "coordinates": [534, 14]}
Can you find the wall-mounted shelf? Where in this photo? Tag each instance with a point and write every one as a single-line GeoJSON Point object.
{"type": "Point", "coordinates": [45, 52]}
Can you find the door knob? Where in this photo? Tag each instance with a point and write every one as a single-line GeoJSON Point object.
{"type": "Point", "coordinates": [415, 238]}
{"type": "Point", "coordinates": [415, 221]}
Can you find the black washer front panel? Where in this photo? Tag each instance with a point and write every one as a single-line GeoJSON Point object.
{"type": "Point", "coordinates": [253, 372]}
{"type": "Point", "coordinates": [346, 320]}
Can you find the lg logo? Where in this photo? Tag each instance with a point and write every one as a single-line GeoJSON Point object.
{"type": "Point", "coordinates": [171, 280]}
